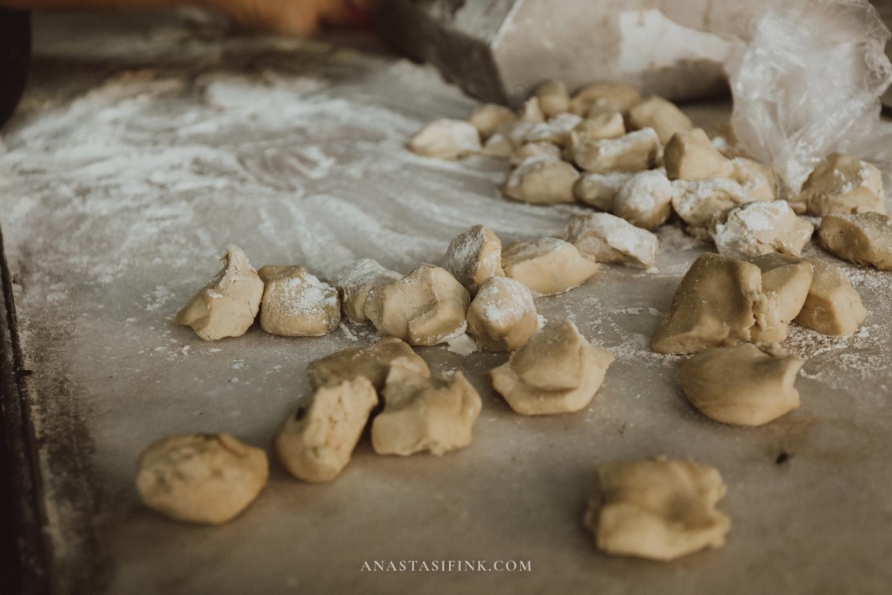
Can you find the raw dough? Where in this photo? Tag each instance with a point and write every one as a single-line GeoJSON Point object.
{"type": "Point", "coordinates": [202, 478]}
{"type": "Point", "coordinates": [371, 362]}
{"type": "Point", "coordinates": [357, 281]}
{"type": "Point", "coordinates": [785, 285]}
{"type": "Point", "coordinates": [474, 256]}
{"type": "Point", "coordinates": [489, 118]}
{"type": "Point", "coordinates": [540, 149]}
{"type": "Point", "coordinates": [865, 238]}
{"type": "Point", "coordinates": [757, 179]}
{"type": "Point", "coordinates": [699, 202]}
{"type": "Point", "coordinates": [690, 155]}
{"type": "Point", "coordinates": [555, 131]}
{"type": "Point", "coordinates": [502, 316]}
{"type": "Point", "coordinates": [713, 306]}
{"type": "Point", "coordinates": [636, 151]}
{"type": "Point", "coordinates": [661, 115]}
{"type": "Point", "coordinates": [542, 180]}
{"type": "Point", "coordinates": [532, 111]}
{"type": "Point", "coordinates": [446, 139]}
{"type": "Point", "coordinates": [424, 414]}
{"type": "Point", "coordinates": [600, 190]}
{"type": "Point", "coordinates": [598, 98]}
{"type": "Point", "coordinates": [297, 304]}
{"type": "Point", "coordinates": [841, 185]}
{"type": "Point", "coordinates": [646, 200]}
{"type": "Point", "coordinates": [758, 228]}
{"type": "Point", "coordinates": [832, 307]}
{"type": "Point", "coordinates": [498, 145]}
{"type": "Point", "coordinates": [607, 238]}
{"type": "Point", "coordinates": [227, 306]}
{"type": "Point", "coordinates": [743, 385]}
{"type": "Point", "coordinates": [315, 443]}
{"type": "Point", "coordinates": [426, 307]}
{"type": "Point", "coordinates": [553, 97]}
{"type": "Point", "coordinates": [557, 371]}
{"type": "Point", "coordinates": [547, 266]}
{"type": "Point", "coordinates": [656, 509]}
{"type": "Point", "coordinates": [600, 127]}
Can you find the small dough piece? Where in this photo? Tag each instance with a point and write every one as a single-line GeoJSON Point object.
{"type": "Point", "coordinates": [553, 98]}
{"type": "Point", "coordinates": [527, 150]}
{"type": "Point", "coordinates": [555, 131]}
{"type": "Point", "coordinates": [661, 115]}
{"type": "Point", "coordinates": [832, 307]}
{"type": "Point", "coordinates": [785, 285]}
{"type": "Point", "coordinates": [557, 371]}
{"type": "Point", "coordinates": [474, 256]}
{"type": "Point", "coordinates": [315, 444]}
{"type": "Point", "coordinates": [608, 238]}
{"type": "Point", "coordinates": [426, 307]}
{"type": "Point", "coordinates": [446, 139]}
{"type": "Point", "coordinates": [865, 238]}
{"type": "Point", "coordinates": [297, 304]}
{"type": "Point", "coordinates": [598, 98]}
{"type": "Point", "coordinates": [600, 190]}
{"type": "Point", "coordinates": [201, 478]}
{"type": "Point", "coordinates": [502, 316]}
{"type": "Point", "coordinates": [227, 306]}
{"type": "Point", "coordinates": [498, 145]}
{"type": "Point", "coordinates": [489, 118]}
{"type": "Point", "coordinates": [357, 281]}
{"type": "Point", "coordinates": [713, 306]}
{"type": "Point", "coordinates": [636, 151]}
{"type": "Point", "coordinates": [759, 228]}
{"type": "Point", "coordinates": [600, 127]}
{"type": "Point", "coordinates": [699, 202]}
{"type": "Point", "coordinates": [532, 111]}
{"type": "Point", "coordinates": [757, 179]}
{"type": "Point", "coordinates": [542, 180]}
{"type": "Point", "coordinates": [547, 266]}
{"type": "Point", "coordinates": [842, 185]}
{"type": "Point", "coordinates": [646, 200]}
{"type": "Point", "coordinates": [425, 414]}
{"type": "Point", "coordinates": [690, 155]}
{"type": "Point", "coordinates": [656, 509]}
{"type": "Point", "coordinates": [371, 362]}
{"type": "Point", "coordinates": [743, 385]}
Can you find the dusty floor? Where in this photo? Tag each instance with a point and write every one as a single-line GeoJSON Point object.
{"type": "Point", "coordinates": [137, 158]}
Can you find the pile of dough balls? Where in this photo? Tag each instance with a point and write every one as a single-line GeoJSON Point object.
{"type": "Point", "coordinates": [640, 163]}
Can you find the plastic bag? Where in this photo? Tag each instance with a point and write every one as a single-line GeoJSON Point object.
{"type": "Point", "coordinates": [807, 82]}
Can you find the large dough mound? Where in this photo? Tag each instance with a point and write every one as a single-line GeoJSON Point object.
{"type": "Point", "coordinates": [297, 304]}
{"type": "Point", "coordinates": [227, 306]}
{"type": "Point", "coordinates": [656, 509]}
{"type": "Point", "coordinates": [371, 362]}
{"type": "Point", "coordinates": [547, 266]}
{"type": "Point", "coordinates": [865, 238]}
{"type": "Point", "coordinates": [202, 478]}
{"type": "Point", "coordinates": [426, 307]}
{"type": "Point", "coordinates": [557, 371]}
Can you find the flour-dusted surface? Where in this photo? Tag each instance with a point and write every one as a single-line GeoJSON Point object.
{"type": "Point", "coordinates": [142, 152]}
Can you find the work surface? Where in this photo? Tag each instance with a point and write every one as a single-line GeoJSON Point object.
{"type": "Point", "coordinates": [142, 150]}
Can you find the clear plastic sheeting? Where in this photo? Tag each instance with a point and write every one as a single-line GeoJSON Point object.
{"type": "Point", "coordinates": [808, 82]}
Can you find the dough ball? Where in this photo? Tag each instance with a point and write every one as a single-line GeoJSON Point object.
{"type": "Point", "coordinates": [556, 371]}
{"type": "Point", "coordinates": [832, 307]}
{"type": "Point", "coordinates": [603, 97]}
{"type": "Point", "coordinates": [371, 362]}
{"type": "Point", "coordinates": [423, 414]}
{"type": "Point", "coordinates": [865, 238]}
{"type": "Point", "coordinates": [474, 256]}
{"type": "Point", "coordinates": [446, 139]}
{"type": "Point", "coordinates": [661, 115]}
{"type": "Point", "coordinates": [608, 238]}
{"type": "Point", "coordinates": [502, 316]}
{"type": "Point", "coordinates": [315, 443]}
{"type": "Point", "coordinates": [842, 185]}
{"type": "Point", "coordinates": [426, 307]}
{"type": "Point", "coordinates": [600, 190]}
{"type": "Point", "coordinates": [547, 266]}
{"type": "Point", "coordinates": [489, 118]}
{"type": "Point", "coordinates": [542, 180]}
{"type": "Point", "coordinates": [743, 385]}
{"type": "Point", "coordinates": [227, 306]}
{"type": "Point", "coordinates": [202, 478]}
{"type": "Point", "coordinates": [645, 200]}
{"type": "Point", "coordinates": [758, 228]}
{"type": "Point", "coordinates": [357, 281]}
{"type": "Point", "coordinates": [656, 509]}
{"type": "Point", "coordinates": [690, 155]}
{"type": "Point", "coordinates": [297, 304]}
{"type": "Point", "coordinates": [553, 98]}
{"type": "Point", "coordinates": [633, 152]}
